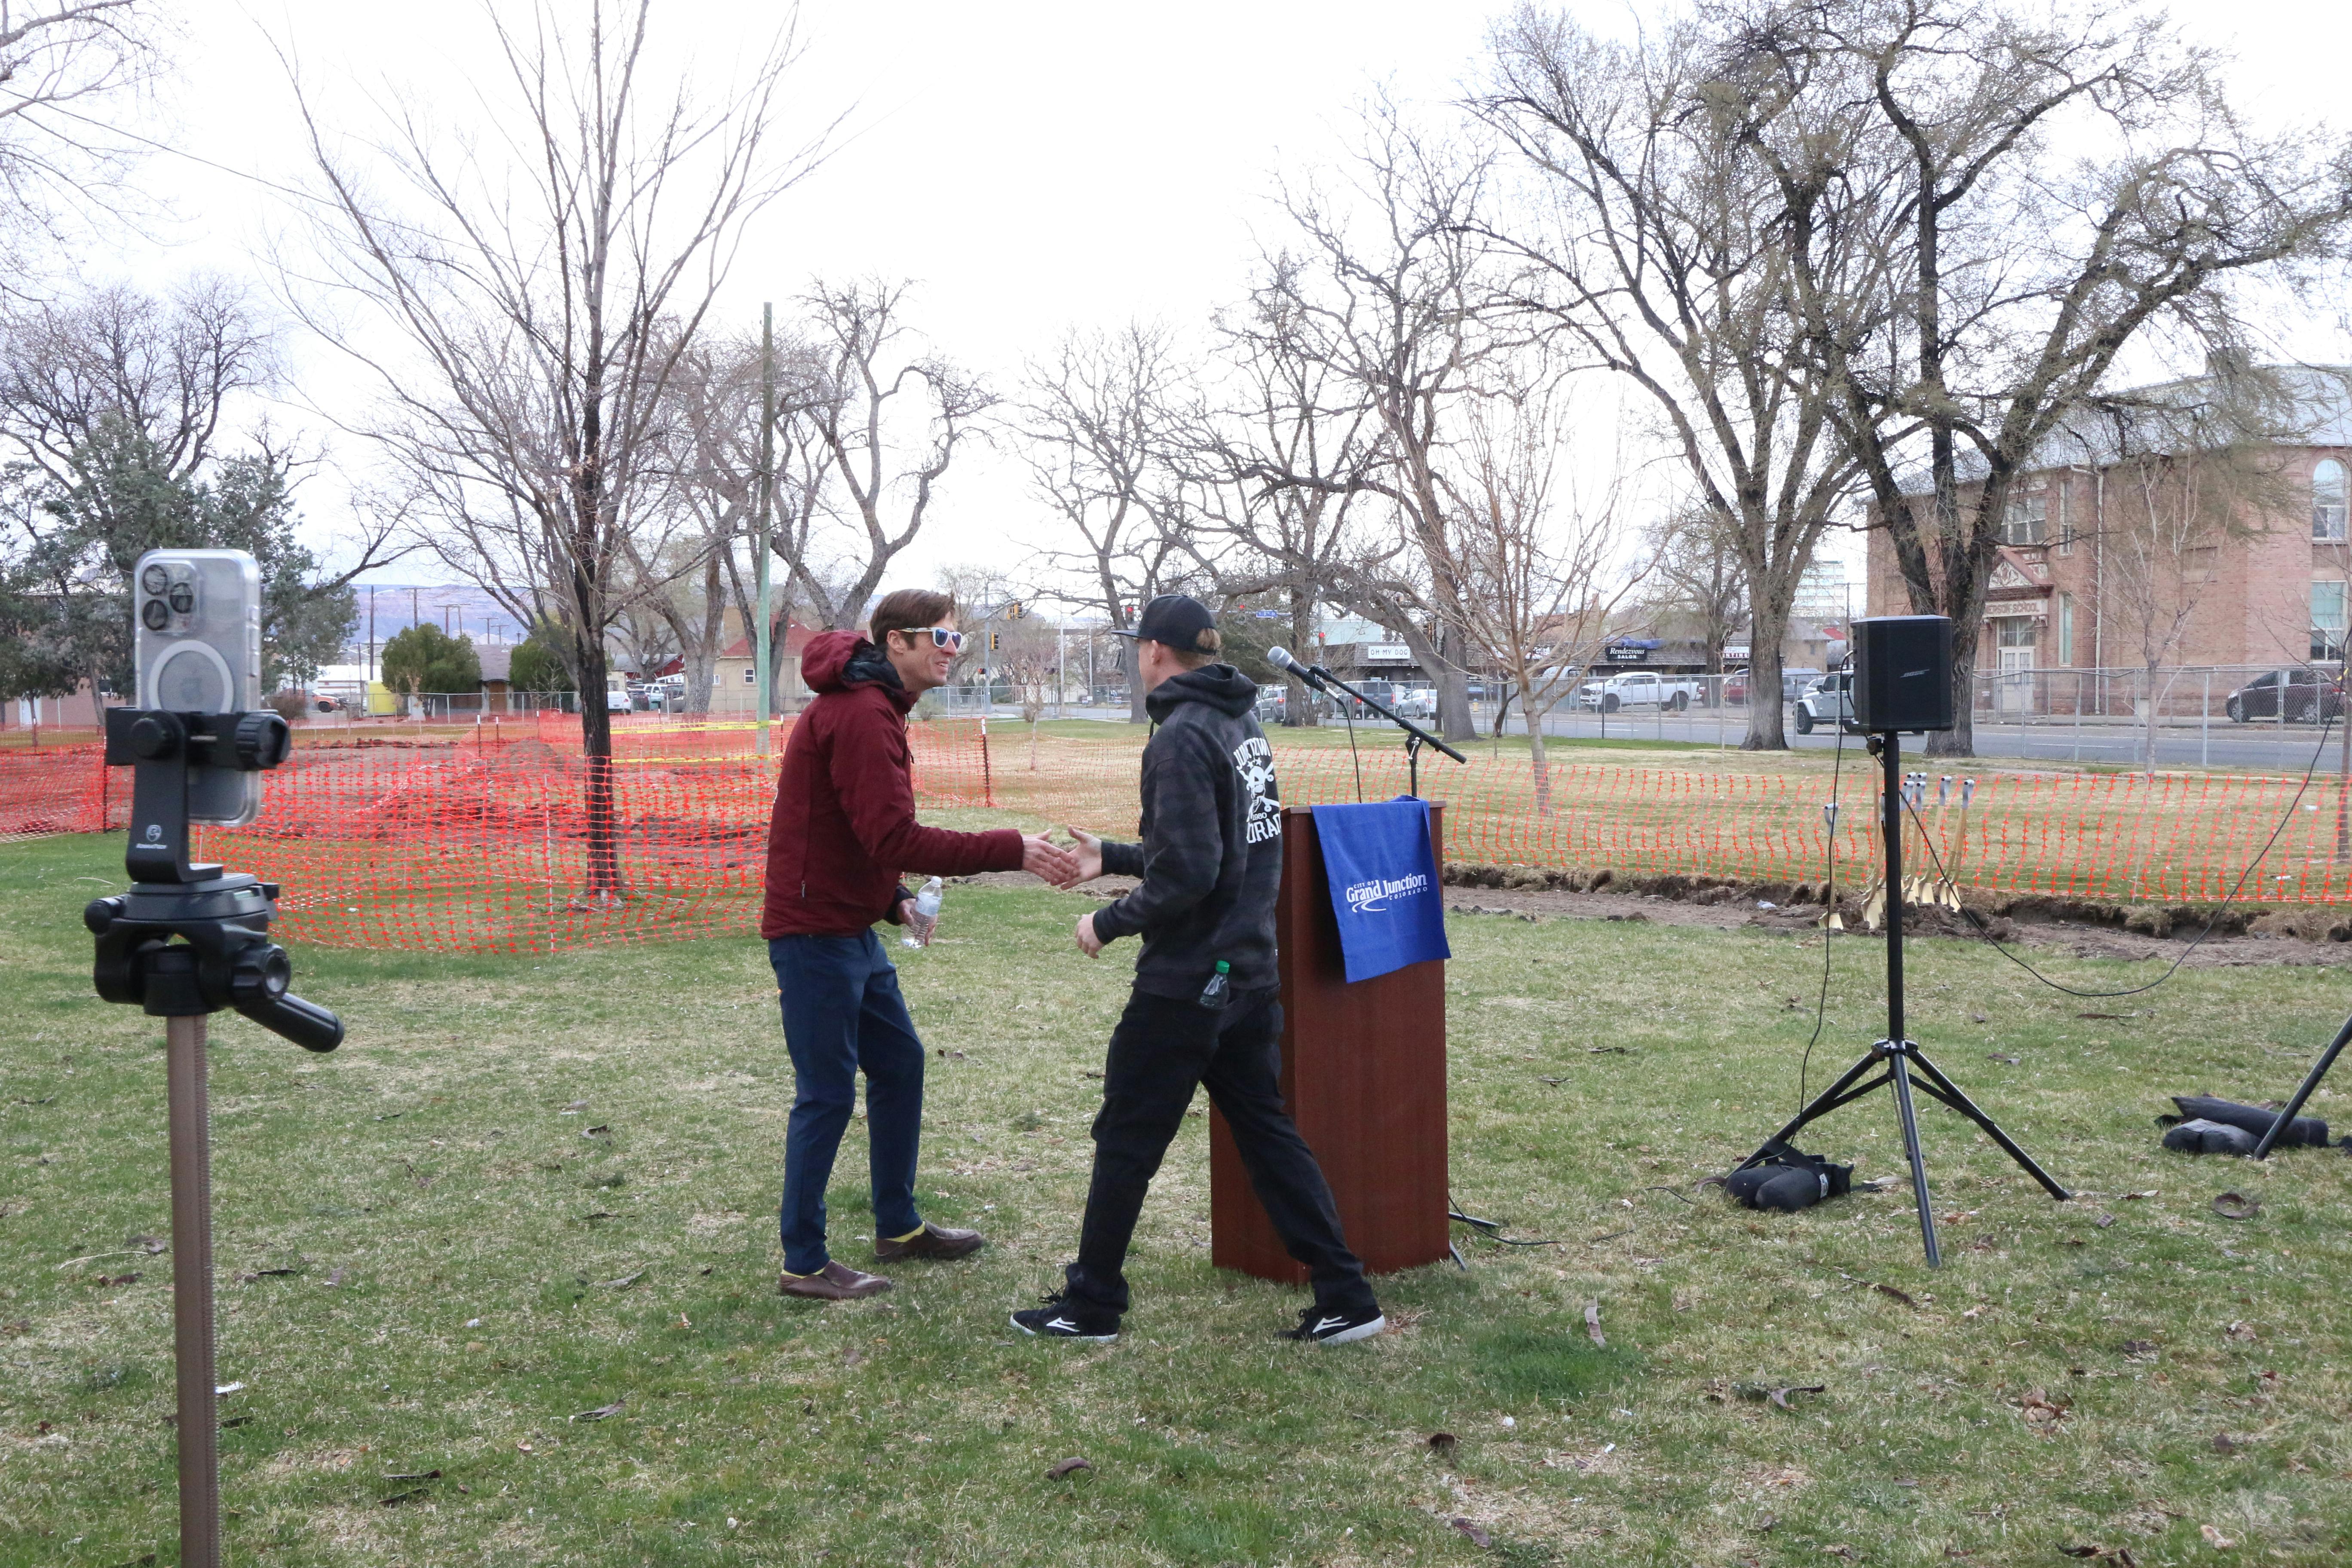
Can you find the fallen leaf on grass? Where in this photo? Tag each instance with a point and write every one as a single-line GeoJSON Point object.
{"type": "Point", "coordinates": [1068, 1468]}
{"type": "Point", "coordinates": [151, 1244]}
{"type": "Point", "coordinates": [21, 1326]}
{"type": "Point", "coordinates": [1592, 1323]}
{"type": "Point", "coordinates": [1840, 1549]}
{"type": "Point", "coordinates": [2107, 1014]}
{"type": "Point", "coordinates": [1443, 1443]}
{"type": "Point", "coordinates": [2135, 1197]}
{"type": "Point", "coordinates": [411, 1495]}
{"type": "Point", "coordinates": [2237, 1205]}
{"type": "Point", "coordinates": [415, 1476]}
{"type": "Point", "coordinates": [1553, 1082]}
{"type": "Point", "coordinates": [1477, 1536]}
{"type": "Point", "coordinates": [2215, 1539]}
{"type": "Point", "coordinates": [250, 1275]}
{"type": "Point", "coordinates": [1608, 1050]}
{"type": "Point", "coordinates": [624, 1281]}
{"type": "Point", "coordinates": [336, 1276]}
{"type": "Point", "coordinates": [601, 1411]}
{"type": "Point", "coordinates": [1763, 1393]}
{"type": "Point", "coordinates": [2041, 1411]}
{"type": "Point", "coordinates": [2117, 1554]}
{"type": "Point", "coordinates": [2242, 1330]}
{"type": "Point", "coordinates": [2225, 1444]}
{"type": "Point", "coordinates": [2139, 1349]}
{"type": "Point", "coordinates": [1902, 1296]}
{"type": "Point", "coordinates": [592, 1131]}
{"type": "Point", "coordinates": [2103, 1219]}
{"type": "Point", "coordinates": [235, 1421]}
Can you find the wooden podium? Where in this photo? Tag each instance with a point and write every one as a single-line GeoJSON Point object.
{"type": "Point", "coordinates": [1363, 1074]}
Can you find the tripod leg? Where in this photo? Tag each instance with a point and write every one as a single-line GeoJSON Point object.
{"type": "Point", "coordinates": [2310, 1082]}
{"type": "Point", "coordinates": [1951, 1095]}
{"type": "Point", "coordinates": [198, 1425]}
{"type": "Point", "coordinates": [1822, 1103]}
{"type": "Point", "coordinates": [1919, 1161]}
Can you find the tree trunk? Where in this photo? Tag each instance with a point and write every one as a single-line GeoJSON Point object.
{"type": "Point", "coordinates": [597, 741]}
{"type": "Point", "coordinates": [1769, 624]}
{"type": "Point", "coordinates": [705, 659]}
{"type": "Point", "coordinates": [1454, 721]}
{"type": "Point", "coordinates": [1130, 660]}
{"type": "Point", "coordinates": [1298, 708]}
{"type": "Point", "coordinates": [1537, 760]}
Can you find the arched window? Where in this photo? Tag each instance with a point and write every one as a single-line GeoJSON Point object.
{"type": "Point", "coordinates": [2329, 495]}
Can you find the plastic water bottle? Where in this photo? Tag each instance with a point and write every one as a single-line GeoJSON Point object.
{"type": "Point", "coordinates": [1218, 992]}
{"type": "Point", "coordinates": [927, 906]}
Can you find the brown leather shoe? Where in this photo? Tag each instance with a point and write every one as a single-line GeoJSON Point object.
{"type": "Point", "coordinates": [932, 1241]}
{"type": "Point", "coordinates": [836, 1282]}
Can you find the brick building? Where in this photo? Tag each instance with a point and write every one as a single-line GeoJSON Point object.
{"type": "Point", "coordinates": [2062, 596]}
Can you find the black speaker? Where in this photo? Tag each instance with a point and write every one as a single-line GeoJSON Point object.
{"type": "Point", "coordinates": [1903, 673]}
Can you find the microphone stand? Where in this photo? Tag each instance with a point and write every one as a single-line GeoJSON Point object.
{"type": "Point", "coordinates": [1415, 737]}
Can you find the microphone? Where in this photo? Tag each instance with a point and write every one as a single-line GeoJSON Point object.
{"type": "Point", "coordinates": [1281, 659]}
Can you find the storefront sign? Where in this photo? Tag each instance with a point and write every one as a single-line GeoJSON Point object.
{"type": "Point", "coordinates": [1387, 653]}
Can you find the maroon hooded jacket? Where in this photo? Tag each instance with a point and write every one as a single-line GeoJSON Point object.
{"type": "Point", "coordinates": [843, 825]}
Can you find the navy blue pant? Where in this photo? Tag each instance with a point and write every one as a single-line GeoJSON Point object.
{"type": "Point", "coordinates": [844, 1014]}
{"type": "Point", "coordinates": [1162, 1050]}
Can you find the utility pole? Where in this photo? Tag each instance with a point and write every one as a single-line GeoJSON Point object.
{"type": "Point", "coordinates": [762, 679]}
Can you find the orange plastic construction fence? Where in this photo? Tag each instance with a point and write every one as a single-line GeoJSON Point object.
{"type": "Point", "coordinates": [486, 838]}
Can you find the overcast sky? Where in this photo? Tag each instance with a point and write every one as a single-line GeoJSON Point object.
{"type": "Point", "coordinates": [1033, 166]}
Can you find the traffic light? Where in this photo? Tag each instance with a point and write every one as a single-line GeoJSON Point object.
{"type": "Point", "coordinates": [991, 642]}
{"type": "Point", "coordinates": [1013, 610]}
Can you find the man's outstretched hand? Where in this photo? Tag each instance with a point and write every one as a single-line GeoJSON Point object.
{"type": "Point", "coordinates": [1043, 858]}
{"type": "Point", "coordinates": [1088, 850]}
{"type": "Point", "coordinates": [1088, 942]}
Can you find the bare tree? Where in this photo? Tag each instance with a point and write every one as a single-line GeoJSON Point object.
{"type": "Point", "coordinates": [2195, 471]}
{"type": "Point", "coordinates": [1661, 253]}
{"type": "Point", "coordinates": [1096, 421]}
{"type": "Point", "coordinates": [544, 303]}
{"type": "Point", "coordinates": [1696, 571]}
{"type": "Point", "coordinates": [1929, 131]}
{"type": "Point", "coordinates": [877, 420]}
{"type": "Point", "coordinates": [65, 64]}
{"type": "Point", "coordinates": [1278, 469]}
{"type": "Point", "coordinates": [1387, 299]}
{"type": "Point", "coordinates": [1542, 571]}
{"type": "Point", "coordinates": [1028, 655]}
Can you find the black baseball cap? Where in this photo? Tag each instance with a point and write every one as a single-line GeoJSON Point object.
{"type": "Point", "coordinates": [1176, 619]}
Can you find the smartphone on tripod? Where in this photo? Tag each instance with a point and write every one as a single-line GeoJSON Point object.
{"type": "Point", "coordinates": [197, 614]}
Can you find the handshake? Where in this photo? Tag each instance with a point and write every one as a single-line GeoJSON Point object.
{"type": "Point", "coordinates": [1064, 866]}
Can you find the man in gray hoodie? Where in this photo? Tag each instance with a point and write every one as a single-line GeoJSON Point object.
{"type": "Point", "coordinates": [1206, 1010]}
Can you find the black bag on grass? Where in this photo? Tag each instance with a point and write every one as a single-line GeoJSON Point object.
{"type": "Point", "coordinates": [2198, 1136]}
{"type": "Point", "coordinates": [2307, 1132]}
{"type": "Point", "coordinates": [1789, 1179]}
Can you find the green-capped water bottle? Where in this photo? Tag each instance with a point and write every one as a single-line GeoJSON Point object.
{"type": "Point", "coordinates": [1218, 990]}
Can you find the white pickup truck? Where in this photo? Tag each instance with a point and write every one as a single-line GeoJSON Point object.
{"type": "Point", "coordinates": [1638, 688]}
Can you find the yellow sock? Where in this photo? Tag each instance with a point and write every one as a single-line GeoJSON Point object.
{"type": "Point", "coordinates": [909, 1237]}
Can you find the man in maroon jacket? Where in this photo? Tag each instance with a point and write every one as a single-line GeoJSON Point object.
{"type": "Point", "coordinates": [843, 830]}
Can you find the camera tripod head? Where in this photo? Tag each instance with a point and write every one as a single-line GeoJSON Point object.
{"type": "Point", "coordinates": [189, 939]}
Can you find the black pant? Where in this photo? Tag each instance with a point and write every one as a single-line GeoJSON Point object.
{"type": "Point", "coordinates": [1163, 1049]}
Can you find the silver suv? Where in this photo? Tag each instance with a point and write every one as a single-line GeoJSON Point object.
{"type": "Point", "coordinates": [1829, 701]}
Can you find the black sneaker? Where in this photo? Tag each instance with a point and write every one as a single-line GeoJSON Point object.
{"type": "Point", "coordinates": [1062, 1318]}
{"type": "Point", "coordinates": [1337, 1328]}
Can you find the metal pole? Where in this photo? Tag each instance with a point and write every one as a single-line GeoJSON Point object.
{"type": "Point", "coordinates": [1897, 1046]}
{"type": "Point", "coordinates": [762, 682]}
{"type": "Point", "coordinates": [192, 1293]}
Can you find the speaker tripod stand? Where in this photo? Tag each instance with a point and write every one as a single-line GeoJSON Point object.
{"type": "Point", "coordinates": [1896, 1057]}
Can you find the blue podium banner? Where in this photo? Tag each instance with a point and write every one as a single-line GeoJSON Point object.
{"type": "Point", "coordinates": [1385, 886]}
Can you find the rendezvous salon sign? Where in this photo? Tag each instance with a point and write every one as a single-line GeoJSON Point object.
{"type": "Point", "coordinates": [1383, 870]}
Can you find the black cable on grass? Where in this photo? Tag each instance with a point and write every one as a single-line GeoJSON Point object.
{"type": "Point", "coordinates": [2174, 968]}
{"type": "Point", "coordinates": [1489, 1229]}
{"type": "Point", "coordinates": [1828, 900]}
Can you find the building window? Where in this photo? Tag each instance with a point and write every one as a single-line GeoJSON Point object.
{"type": "Point", "coordinates": [2328, 498]}
{"type": "Point", "coordinates": [2015, 631]}
{"type": "Point", "coordinates": [2065, 649]}
{"type": "Point", "coordinates": [2027, 520]}
{"type": "Point", "coordinates": [2065, 521]}
{"type": "Point", "coordinates": [2328, 615]}
{"type": "Point", "coordinates": [750, 676]}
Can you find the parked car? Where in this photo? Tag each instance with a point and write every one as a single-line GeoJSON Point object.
{"type": "Point", "coordinates": [1795, 683]}
{"type": "Point", "coordinates": [1829, 701]}
{"type": "Point", "coordinates": [1421, 702]}
{"type": "Point", "coordinates": [1638, 688]}
{"type": "Point", "coordinates": [2311, 696]}
{"type": "Point", "coordinates": [1735, 688]}
{"type": "Point", "coordinates": [1383, 692]}
{"type": "Point", "coordinates": [617, 701]}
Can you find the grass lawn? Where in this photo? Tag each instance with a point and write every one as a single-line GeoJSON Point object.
{"type": "Point", "coordinates": [529, 1189]}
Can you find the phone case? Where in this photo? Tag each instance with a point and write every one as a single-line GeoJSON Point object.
{"type": "Point", "coordinates": [197, 620]}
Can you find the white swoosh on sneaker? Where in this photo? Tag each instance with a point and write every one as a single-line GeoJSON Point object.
{"type": "Point", "coordinates": [1329, 1323]}
{"type": "Point", "coordinates": [1061, 1323]}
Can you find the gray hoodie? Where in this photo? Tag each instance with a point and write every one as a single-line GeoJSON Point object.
{"type": "Point", "coordinates": [1211, 858]}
